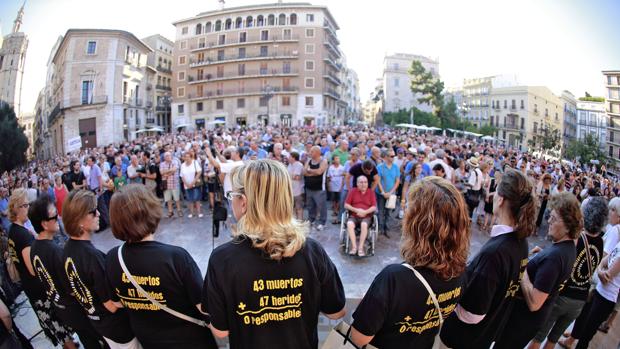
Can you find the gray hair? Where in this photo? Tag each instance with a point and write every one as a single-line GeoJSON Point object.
{"type": "Point", "coordinates": [615, 204]}
{"type": "Point", "coordinates": [595, 214]}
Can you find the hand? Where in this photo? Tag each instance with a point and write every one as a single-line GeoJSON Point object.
{"type": "Point", "coordinates": [386, 195]}
{"type": "Point", "coordinates": [535, 250]}
{"type": "Point", "coordinates": [603, 275]}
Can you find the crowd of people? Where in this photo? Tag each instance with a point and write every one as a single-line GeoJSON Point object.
{"type": "Point", "coordinates": [274, 188]}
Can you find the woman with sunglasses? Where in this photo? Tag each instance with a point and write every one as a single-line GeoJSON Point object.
{"type": "Point", "coordinates": [20, 241]}
{"type": "Point", "coordinates": [85, 274]}
{"type": "Point", "coordinates": [46, 258]}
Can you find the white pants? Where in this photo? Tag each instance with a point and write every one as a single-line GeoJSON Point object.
{"type": "Point", "coordinates": [133, 344]}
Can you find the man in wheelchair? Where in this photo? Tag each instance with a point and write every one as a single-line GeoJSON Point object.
{"type": "Point", "coordinates": [361, 203]}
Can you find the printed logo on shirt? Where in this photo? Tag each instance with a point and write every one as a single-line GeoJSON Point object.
{"type": "Point", "coordinates": [580, 273]}
{"type": "Point", "coordinates": [135, 300]}
{"type": "Point", "coordinates": [270, 307]}
{"type": "Point", "coordinates": [45, 277]}
{"type": "Point", "coordinates": [78, 289]}
{"type": "Point", "coordinates": [431, 318]}
{"type": "Point", "coordinates": [515, 286]}
{"type": "Point", "coordinates": [12, 252]}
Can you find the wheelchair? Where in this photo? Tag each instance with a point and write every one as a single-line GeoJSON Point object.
{"type": "Point", "coordinates": [373, 231]}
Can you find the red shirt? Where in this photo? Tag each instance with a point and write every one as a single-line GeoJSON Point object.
{"type": "Point", "coordinates": [60, 194]}
{"type": "Point", "coordinates": [362, 201]}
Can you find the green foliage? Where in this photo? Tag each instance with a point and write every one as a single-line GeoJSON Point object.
{"type": "Point", "coordinates": [546, 140]}
{"type": "Point", "coordinates": [589, 98]}
{"type": "Point", "coordinates": [585, 150]}
{"type": "Point", "coordinates": [403, 116]}
{"type": "Point", "coordinates": [430, 88]}
{"type": "Point", "coordinates": [487, 130]}
{"type": "Point", "coordinates": [14, 142]}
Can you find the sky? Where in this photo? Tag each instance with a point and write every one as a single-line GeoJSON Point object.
{"type": "Point", "coordinates": [561, 44]}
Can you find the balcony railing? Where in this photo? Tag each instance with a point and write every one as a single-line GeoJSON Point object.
{"type": "Point", "coordinates": [331, 31]}
{"type": "Point", "coordinates": [77, 102]}
{"type": "Point", "coordinates": [150, 121]}
{"type": "Point", "coordinates": [162, 108]}
{"type": "Point", "coordinates": [163, 87]}
{"type": "Point", "coordinates": [332, 48]}
{"type": "Point", "coordinates": [249, 41]}
{"type": "Point", "coordinates": [53, 115]}
{"type": "Point", "coordinates": [221, 93]}
{"type": "Point", "coordinates": [333, 77]}
{"type": "Point", "coordinates": [164, 69]}
{"type": "Point", "coordinates": [331, 93]}
{"type": "Point", "coordinates": [247, 57]}
{"type": "Point", "coordinates": [333, 63]}
{"type": "Point", "coordinates": [248, 74]}
{"type": "Point", "coordinates": [132, 101]}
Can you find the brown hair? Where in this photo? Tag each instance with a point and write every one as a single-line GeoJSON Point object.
{"type": "Point", "coordinates": [135, 213]}
{"type": "Point", "coordinates": [18, 197]}
{"type": "Point", "coordinates": [516, 189]}
{"type": "Point", "coordinates": [567, 206]}
{"type": "Point", "coordinates": [77, 205]}
{"type": "Point", "coordinates": [436, 228]}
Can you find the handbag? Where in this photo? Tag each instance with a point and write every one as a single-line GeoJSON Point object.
{"type": "Point", "coordinates": [338, 338]}
{"type": "Point", "coordinates": [197, 179]}
{"type": "Point", "coordinates": [391, 202]}
{"type": "Point", "coordinates": [437, 343]}
{"type": "Point", "coordinates": [147, 296]}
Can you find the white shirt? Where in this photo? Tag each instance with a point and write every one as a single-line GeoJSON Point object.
{"type": "Point", "coordinates": [189, 172]}
{"type": "Point", "coordinates": [336, 178]}
{"type": "Point", "coordinates": [611, 238]}
{"type": "Point", "coordinates": [445, 166]}
{"type": "Point", "coordinates": [475, 181]}
{"type": "Point", "coordinates": [499, 229]}
{"type": "Point", "coordinates": [610, 290]}
{"type": "Point", "coordinates": [226, 168]}
{"type": "Point", "coordinates": [297, 169]}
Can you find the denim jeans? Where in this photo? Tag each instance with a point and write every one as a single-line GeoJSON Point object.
{"type": "Point", "coordinates": [383, 213]}
{"type": "Point", "coordinates": [564, 312]}
{"type": "Point", "coordinates": [317, 200]}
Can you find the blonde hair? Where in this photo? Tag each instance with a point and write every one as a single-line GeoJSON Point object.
{"type": "Point", "coordinates": [18, 197]}
{"type": "Point", "coordinates": [269, 221]}
{"type": "Point", "coordinates": [76, 206]}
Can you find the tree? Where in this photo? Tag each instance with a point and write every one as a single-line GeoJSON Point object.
{"type": "Point", "coordinates": [14, 142]}
{"type": "Point", "coordinates": [585, 150]}
{"type": "Point", "coordinates": [546, 140]}
{"type": "Point", "coordinates": [430, 89]}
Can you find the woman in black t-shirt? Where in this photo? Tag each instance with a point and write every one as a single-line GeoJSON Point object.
{"type": "Point", "coordinates": [46, 257]}
{"type": "Point", "coordinates": [168, 273]}
{"type": "Point", "coordinates": [20, 240]}
{"type": "Point", "coordinates": [493, 275]}
{"type": "Point", "coordinates": [265, 288]}
{"type": "Point", "coordinates": [573, 295]}
{"type": "Point", "coordinates": [85, 274]}
{"type": "Point", "coordinates": [395, 312]}
{"type": "Point", "coordinates": [545, 274]}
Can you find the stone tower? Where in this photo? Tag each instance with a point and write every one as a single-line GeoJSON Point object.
{"type": "Point", "coordinates": [12, 59]}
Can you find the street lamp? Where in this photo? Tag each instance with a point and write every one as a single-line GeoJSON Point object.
{"type": "Point", "coordinates": [267, 94]}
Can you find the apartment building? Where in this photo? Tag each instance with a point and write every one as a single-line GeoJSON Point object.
{"type": "Point", "coordinates": [476, 93]}
{"type": "Point", "coordinates": [592, 119]}
{"type": "Point", "coordinates": [612, 106]}
{"type": "Point", "coordinates": [161, 81]}
{"type": "Point", "coordinates": [268, 64]}
{"type": "Point", "coordinates": [397, 81]}
{"type": "Point", "coordinates": [570, 118]}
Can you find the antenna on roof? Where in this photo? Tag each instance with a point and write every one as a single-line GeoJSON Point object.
{"type": "Point", "coordinates": [222, 3]}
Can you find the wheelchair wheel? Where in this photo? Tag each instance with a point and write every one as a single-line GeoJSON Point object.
{"type": "Point", "coordinates": [343, 230]}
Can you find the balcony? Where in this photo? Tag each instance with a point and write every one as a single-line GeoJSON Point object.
{"type": "Point", "coordinates": [151, 121]}
{"type": "Point", "coordinates": [164, 69]}
{"type": "Point", "coordinates": [163, 108]}
{"type": "Point", "coordinates": [331, 47]}
{"type": "Point", "coordinates": [332, 77]}
{"type": "Point", "coordinates": [331, 32]}
{"type": "Point", "coordinates": [131, 101]}
{"type": "Point", "coordinates": [79, 102]}
{"type": "Point", "coordinates": [332, 62]}
{"type": "Point", "coordinates": [249, 74]}
{"type": "Point", "coordinates": [243, 92]}
{"type": "Point", "coordinates": [249, 41]}
{"type": "Point", "coordinates": [193, 63]}
{"type": "Point", "coordinates": [149, 104]}
{"type": "Point", "coordinates": [163, 87]}
{"type": "Point", "coordinates": [330, 92]}
{"type": "Point", "coordinates": [53, 115]}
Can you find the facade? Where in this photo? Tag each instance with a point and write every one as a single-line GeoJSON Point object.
{"type": "Point", "coordinates": [351, 96]}
{"type": "Point", "coordinates": [397, 81]}
{"type": "Point", "coordinates": [26, 120]}
{"type": "Point", "coordinates": [98, 89]}
{"type": "Point", "coordinates": [476, 93]}
{"type": "Point", "coordinates": [592, 119]}
{"type": "Point", "coordinates": [612, 106]}
{"type": "Point", "coordinates": [161, 60]}
{"type": "Point", "coordinates": [268, 64]}
{"type": "Point", "coordinates": [522, 112]}
{"type": "Point", "coordinates": [12, 59]}
{"type": "Point", "coordinates": [570, 118]}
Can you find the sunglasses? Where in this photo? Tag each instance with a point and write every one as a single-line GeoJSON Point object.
{"type": "Point", "coordinates": [231, 194]}
{"type": "Point", "coordinates": [53, 218]}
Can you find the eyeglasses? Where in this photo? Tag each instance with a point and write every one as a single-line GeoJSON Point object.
{"type": "Point", "coordinates": [231, 194]}
{"type": "Point", "coordinates": [53, 218]}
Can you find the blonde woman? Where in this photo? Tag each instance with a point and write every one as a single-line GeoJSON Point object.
{"type": "Point", "coordinates": [266, 287]}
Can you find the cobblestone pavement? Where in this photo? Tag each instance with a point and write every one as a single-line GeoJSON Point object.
{"type": "Point", "coordinates": [356, 273]}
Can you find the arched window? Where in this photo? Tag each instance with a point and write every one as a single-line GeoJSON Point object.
{"type": "Point", "coordinates": [271, 20]}
{"type": "Point", "coordinates": [238, 22]}
{"type": "Point", "coordinates": [218, 25]}
{"type": "Point", "coordinates": [228, 24]}
{"type": "Point", "coordinates": [198, 29]}
{"type": "Point", "coordinates": [260, 21]}
{"type": "Point", "coordinates": [208, 27]}
{"type": "Point", "coordinates": [293, 19]}
{"type": "Point", "coordinates": [282, 19]}
{"type": "Point", "coordinates": [249, 22]}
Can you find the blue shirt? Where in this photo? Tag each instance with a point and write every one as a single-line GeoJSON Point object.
{"type": "Point", "coordinates": [4, 206]}
{"type": "Point", "coordinates": [260, 154]}
{"type": "Point", "coordinates": [387, 176]}
{"type": "Point", "coordinates": [114, 171]}
{"type": "Point", "coordinates": [93, 180]}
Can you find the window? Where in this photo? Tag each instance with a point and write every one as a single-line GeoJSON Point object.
{"type": "Point", "coordinates": [183, 45]}
{"type": "Point", "coordinates": [309, 17]}
{"type": "Point", "coordinates": [309, 101]}
{"type": "Point", "coordinates": [219, 104]}
{"type": "Point", "coordinates": [309, 33]}
{"type": "Point", "coordinates": [199, 91]}
{"type": "Point", "coordinates": [396, 82]}
{"type": "Point", "coordinates": [504, 135]}
{"type": "Point", "coordinates": [201, 57]}
{"type": "Point", "coordinates": [249, 22]}
{"type": "Point", "coordinates": [87, 91]}
{"type": "Point", "coordinates": [522, 123]}
{"type": "Point", "coordinates": [181, 92]}
{"type": "Point", "coordinates": [228, 24]}
{"type": "Point", "coordinates": [240, 102]}
{"type": "Point", "coordinates": [611, 151]}
{"type": "Point", "coordinates": [199, 106]}
{"type": "Point", "coordinates": [241, 52]}
{"type": "Point", "coordinates": [286, 34]}
{"type": "Point", "coordinates": [309, 83]}
{"type": "Point", "coordinates": [91, 48]}
{"type": "Point", "coordinates": [309, 48]}
{"type": "Point", "coordinates": [238, 22]}
{"type": "Point", "coordinates": [260, 21]}
{"type": "Point", "coordinates": [264, 51]}
{"type": "Point", "coordinates": [181, 76]}
{"type": "Point", "coordinates": [243, 37]}
{"type": "Point", "coordinates": [220, 71]}
{"type": "Point", "coordinates": [221, 40]}
{"type": "Point", "coordinates": [263, 102]}
{"type": "Point", "coordinates": [127, 51]}
{"type": "Point", "coordinates": [241, 69]}
{"type": "Point", "coordinates": [522, 105]}
{"type": "Point", "coordinates": [286, 67]}
{"type": "Point", "coordinates": [182, 60]}
{"type": "Point", "coordinates": [282, 19]}
{"type": "Point", "coordinates": [198, 29]}
{"type": "Point", "coordinates": [286, 101]}
{"type": "Point", "coordinates": [208, 27]}
{"type": "Point", "coordinates": [271, 20]}
{"type": "Point", "coordinates": [505, 104]}
{"type": "Point", "coordinates": [181, 109]}
{"type": "Point", "coordinates": [264, 35]}
{"type": "Point", "coordinates": [286, 84]}
{"type": "Point", "coordinates": [513, 105]}
{"type": "Point", "coordinates": [310, 65]}
{"type": "Point", "coordinates": [535, 127]}
{"type": "Point", "coordinates": [611, 136]}
{"type": "Point", "coordinates": [292, 19]}
{"type": "Point", "coordinates": [220, 55]}
{"type": "Point", "coordinates": [218, 25]}
{"type": "Point", "coordinates": [263, 68]}
{"type": "Point", "coordinates": [184, 30]}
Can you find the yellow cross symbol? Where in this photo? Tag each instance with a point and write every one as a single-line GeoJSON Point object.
{"type": "Point", "coordinates": [242, 306]}
{"type": "Point", "coordinates": [408, 318]}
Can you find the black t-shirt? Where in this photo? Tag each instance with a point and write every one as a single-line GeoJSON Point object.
{"type": "Point", "coordinates": [84, 268]}
{"type": "Point", "coordinates": [266, 303]}
{"type": "Point", "coordinates": [578, 284]}
{"type": "Point", "coordinates": [398, 310]}
{"type": "Point", "coordinates": [547, 271]}
{"type": "Point", "coordinates": [492, 284]}
{"type": "Point", "coordinates": [356, 171]}
{"type": "Point", "coordinates": [77, 178]}
{"type": "Point", "coordinates": [170, 275]}
{"type": "Point", "coordinates": [19, 239]}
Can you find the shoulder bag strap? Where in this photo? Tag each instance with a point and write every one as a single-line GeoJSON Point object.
{"type": "Point", "coordinates": [429, 289]}
{"type": "Point", "coordinates": [147, 296]}
{"type": "Point", "coordinates": [587, 248]}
